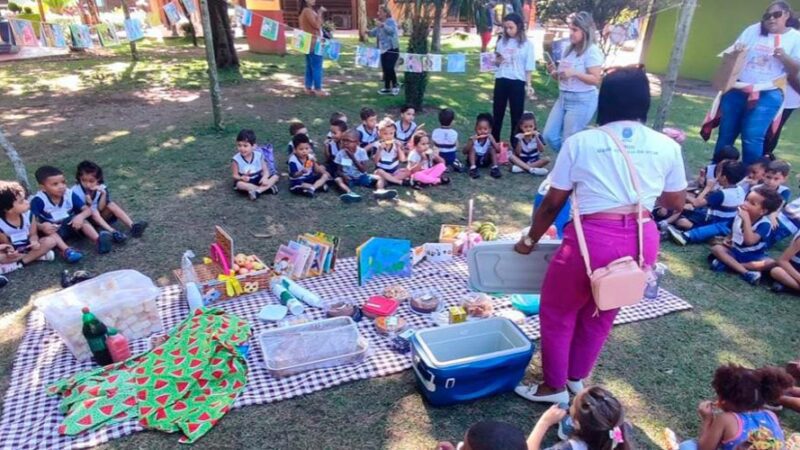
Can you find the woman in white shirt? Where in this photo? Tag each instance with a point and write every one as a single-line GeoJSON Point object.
{"type": "Point", "coordinates": [512, 79]}
{"type": "Point", "coordinates": [591, 165]}
{"type": "Point", "coordinates": [579, 73]}
{"type": "Point", "coordinates": [790, 103]}
{"type": "Point", "coordinates": [773, 54]}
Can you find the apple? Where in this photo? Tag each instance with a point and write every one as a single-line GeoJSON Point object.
{"type": "Point", "coordinates": [243, 271]}
{"type": "Point", "coordinates": [235, 267]}
{"type": "Point", "coordinates": [248, 265]}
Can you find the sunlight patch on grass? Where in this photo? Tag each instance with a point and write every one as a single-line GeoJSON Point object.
{"type": "Point", "coordinates": [627, 394]}
{"type": "Point", "coordinates": [196, 189]}
{"type": "Point", "coordinates": [407, 421]}
{"type": "Point", "coordinates": [110, 136]}
{"type": "Point", "coordinates": [747, 343]}
{"type": "Point", "coordinates": [28, 133]}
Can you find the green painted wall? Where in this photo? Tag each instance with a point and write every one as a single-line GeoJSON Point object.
{"type": "Point", "coordinates": [716, 24]}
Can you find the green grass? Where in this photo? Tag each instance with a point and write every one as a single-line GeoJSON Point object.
{"type": "Point", "coordinates": [148, 125]}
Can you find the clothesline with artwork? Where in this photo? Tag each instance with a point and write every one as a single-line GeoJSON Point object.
{"type": "Point", "coordinates": [56, 35]}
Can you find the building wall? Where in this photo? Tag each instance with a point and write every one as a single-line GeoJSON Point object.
{"type": "Point", "coordinates": [716, 25]}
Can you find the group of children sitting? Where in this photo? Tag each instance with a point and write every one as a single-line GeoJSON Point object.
{"type": "Point", "coordinates": [743, 211]}
{"type": "Point", "coordinates": [33, 230]}
{"type": "Point", "coordinates": [377, 154]}
{"type": "Point", "coordinates": [741, 417]}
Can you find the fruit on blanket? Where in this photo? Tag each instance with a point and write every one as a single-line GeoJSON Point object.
{"type": "Point", "coordinates": [236, 268]}
{"type": "Point", "coordinates": [243, 271]}
{"type": "Point", "coordinates": [240, 259]}
{"type": "Point", "coordinates": [248, 265]}
{"type": "Point", "coordinates": [487, 230]}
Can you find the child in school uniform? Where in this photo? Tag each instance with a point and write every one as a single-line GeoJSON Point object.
{"type": "Point", "coordinates": [445, 138]}
{"type": "Point", "coordinates": [426, 167]}
{"type": "Point", "coordinates": [250, 171]}
{"type": "Point", "coordinates": [368, 130]}
{"type": "Point", "coordinates": [388, 155]}
{"type": "Point", "coordinates": [333, 145]}
{"type": "Point", "coordinates": [482, 149]}
{"type": "Point", "coordinates": [60, 211]}
{"type": "Point", "coordinates": [306, 175]}
{"type": "Point", "coordinates": [296, 128]}
{"type": "Point", "coordinates": [755, 174]}
{"type": "Point", "coordinates": [709, 173]}
{"type": "Point", "coordinates": [335, 117]}
{"type": "Point", "coordinates": [774, 178]}
{"type": "Point", "coordinates": [714, 209]}
{"type": "Point", "coordinates": [351, 163]}
{"type": "Point", "coordinates": [18, 228]}
{"type": "Point", "coordinates": [786, 273]}
{"type": "Point", "coordinates": [405, 127]}
{"type": "Point", "coordinates": [746, 254]}
{"type": "Point", "coordinates": [527, 156]}
{"type": "Point", "coordinates": [92, 189]}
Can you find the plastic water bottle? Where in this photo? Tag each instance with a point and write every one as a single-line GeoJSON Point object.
{"type": "Point", "coordinates": [118, 345]}
{"type": "Point", "coordinates": [653, 281]}
{"type": "Point", "coordinates": [193, 297]}
{"type": "Point", "coordinates": [287, 299]}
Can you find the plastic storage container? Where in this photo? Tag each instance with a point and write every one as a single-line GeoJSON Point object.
{"type": "Point", "coordinates": [124, 299]}
{"type": "Point", "coordinates": [495, 267]}
{"type": "Point", "coordinates": [467, 361]}
{"type": "Point", "coordinates": [315, 345]}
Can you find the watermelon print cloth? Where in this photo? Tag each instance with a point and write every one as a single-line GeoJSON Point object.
{"type": "Point", "coordinates": [186, 384]}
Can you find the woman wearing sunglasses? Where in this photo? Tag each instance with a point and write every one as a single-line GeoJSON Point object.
{"type": "Point", "coordinates": [756, 100]}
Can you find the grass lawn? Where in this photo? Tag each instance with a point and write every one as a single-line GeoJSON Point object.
{"type": "Point", "coordinates": [148, 125]}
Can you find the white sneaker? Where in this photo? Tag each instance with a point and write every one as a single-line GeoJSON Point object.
{"type": "Point", "coordinates": [396, 91]}
{"type": "Point", "coordinates": [529, 393]}
{"type": "Point", "coordinates": [539, 171]}
{"type": "Point", "coordinates": [49, 256]}
{"type": "Point", "coordinates": [8, 268]}
{"type": "Point", "coordinates": [517, 169]}
{"type": "Point", "coordinates": [575, 386]}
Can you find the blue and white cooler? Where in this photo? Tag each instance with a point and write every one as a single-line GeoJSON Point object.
{"type": "Point", "coordinates": [467, 361]}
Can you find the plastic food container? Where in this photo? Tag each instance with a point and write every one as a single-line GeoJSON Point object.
{"type": "Point", "coordinates": [315, 345]}
{"type": "Point", "coordinates": [495, 267]}
{"type": "Point", "coordinates": [467, 361]}
{"type": "Point", "coordinates": [426, 301]}
{"type": "Point", "coordinates": [124, 299]}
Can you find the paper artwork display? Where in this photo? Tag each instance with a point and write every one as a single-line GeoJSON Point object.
{"type": "Point", "coordinates": [301, 42]}
{"type": "Point", "coordinates": [432, 63]}
{"type": "Point", "coordinates": [245, 16]}
{"type": "Point", "coordinates": [172, 13]}
{"type": "Point", "coordinates": [368, 57]}
{"type": "Point", "coordinates": [286, 261]}
{"type": "Point", "coordinates": [81, 36]}
{"type": "Point", "coordinates": [383, 256]}
{"type": "Point", "coordinates": [133, 29]}
{"type": "Point", "coordinates": [23, 33]}
{"type": "Point", "coordinates": [269, 29]}
{"type": "Point", "coordinates": [456, 63]}
{"type": "Point", "coordinates": [334, 50]}
{"type": "Point", "coordinates": [437, 252]}
{"type": "Point", "coordinates": [190, 7]}
{"type": "Point", "coordinates": [401, 62]}
{"type": "Point", "coordinates": [488, 62]}
{"type": "Point", "coordinates": [107, 34]}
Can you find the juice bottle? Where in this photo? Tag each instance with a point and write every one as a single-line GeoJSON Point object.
{"type": "Point", "coordinates": [95, 333]}
{"type": "Point", "coordinates": [118, 345]}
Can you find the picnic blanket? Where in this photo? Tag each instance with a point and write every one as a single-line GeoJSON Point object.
{"type": "Point", "coordinates": [31, 418]}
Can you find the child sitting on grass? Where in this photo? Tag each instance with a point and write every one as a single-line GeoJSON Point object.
{"type": "Point", "coordinates": [251, 174]}
{"type": "Point", "coordinates": [739, 408]}
{"type": "Point", "coordinates": [368, 130]}
{"type": "Point", "coordinates": [786, 273]}
{"type": "Point", "coordinates": [92, 189]}
{"type": "Point", "coordinates": [755, 174]}
{"type": "Point", "coordinates": [527, 156]}
{"type": "Point", "coordinates": [482, 149]}
{"type": "Point", "coordinates": [713, 210]}
{"type": "Point", "coordinates": [405, 127]}
{"type": "Point", "coordinates": [746, 254]}
{"type": "Point", "coordinates": [351, 163]}
{"type": "Point", "coordinates": [424, 164]}
{"type": "Point", "coordinates": [489, 435]}
{"type": "Point", "coordinates": [445, 138]}
{"type": "Point", "coordinates": [296, 128]}
{"type": "Point", "coordinates": [596, 418]}
{"type": "Point", "coordinates": [776, 174]}
{"type": "Point", "coordinates": [333, 144]}
{"type": "Point", "coordinates": [336, 117]}
{"type": "Point", "coordinates": [389, 154]}
{"type": "Point", "coordinates": [306, 175]}
{"type": "Point", "coordinates": [18, 229]}
{"type": "Point", "coordinates": [709, 173]}
{"type": "Point", "coordinates": [60, 211]}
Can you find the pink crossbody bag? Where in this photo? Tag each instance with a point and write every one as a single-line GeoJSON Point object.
{"type": "Point", "coordinates": [621, 282]}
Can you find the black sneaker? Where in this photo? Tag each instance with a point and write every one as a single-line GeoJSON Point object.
{"type": "Point", "coordinates": [444, 179]}
{"type": "Point", "coordinates": [473, 173]}
{"type": "Point", "coordinates": [273, 190]}
{"type": "Point", "coordinates": [495, 172]}
{"type": "Point", "coordinates": [385, 92]}
{"type": "Point", "coordinates": [778, 288]}
{"type": "Point", "coordinates": [137, 229]}
{"type": "Point", "coordinates": [307, 193]}
{"type": "Point", "coordinates": [3, 281]}
{"type": "Point", "coordinates": [457, 166]}
{"type": "Point", "coordinates": [118, 237]}
{"type": "Point", "coordinates": [385, 195]}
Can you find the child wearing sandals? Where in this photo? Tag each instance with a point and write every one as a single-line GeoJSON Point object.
{"type": "Point", "coordinates": [596, 421]}
{"type": "Point", "coordinates": [425, 165]}
{"type": "Point", "coordinates": [527, 156]}
{"type": "Point", "coordinates": [92, 189]}
{"type": "Point", "coordinates": [251, 174]}
{"type": "Point", "coordinates": [389, 154]}
{"type": "Point", "coordinates": [739, 409]}
{"type": "Point", "coordinates": [306, 175]}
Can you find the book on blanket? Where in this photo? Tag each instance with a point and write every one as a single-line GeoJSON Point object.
{"type": "Point", "coordinates": [310, 255]}
{"type": "Point", "coordinates": [383, 256]}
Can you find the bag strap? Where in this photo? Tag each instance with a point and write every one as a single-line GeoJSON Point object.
{"type": "Point", "coordinates": [577, 215]}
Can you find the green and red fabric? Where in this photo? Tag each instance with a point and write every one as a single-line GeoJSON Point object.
{"type": "Point", "coordinates": [186, 384]}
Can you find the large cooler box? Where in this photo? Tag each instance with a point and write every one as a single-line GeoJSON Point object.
{"type": "Point", "coordinates": [467, 361]}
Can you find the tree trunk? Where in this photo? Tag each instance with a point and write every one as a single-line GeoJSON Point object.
{"type": "Point", "coordinates": [213, 80]}
{"type": "Point", "coordinates": [675, 60]}
{"type": "Point", "coordinates": [220, 26]}
{"type": "Point", "coordinates": [436, 36]}
{"type": "Point", "coordinates": [127, 14]}
{"type": "Point", "coordinates": [362, 20]}
{"type": "Point", "coordinates": [193, 31]}
{"type": "Point", "coordinates": [94, 13]}
{"type": "Point", "coordinates": [16, 161]}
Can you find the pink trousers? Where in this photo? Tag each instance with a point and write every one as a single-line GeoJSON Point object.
{"type": "Point", "coordinates": [430, 176]}
{"type": "Point", "coordinates": [572, 336]}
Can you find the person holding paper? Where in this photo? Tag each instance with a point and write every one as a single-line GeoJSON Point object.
{"type": "Point", "coordinates": [579, 74]}
{"type": "Point", "coordinates": [756, 100]}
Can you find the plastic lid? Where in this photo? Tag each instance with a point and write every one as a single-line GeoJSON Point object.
{"type": "Point", "coordinates": [112, 331]}
{"type": "Point", "coordinates": [85, 309]}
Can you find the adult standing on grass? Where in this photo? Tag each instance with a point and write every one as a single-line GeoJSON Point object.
{"type": "Point", "coordinates": [591, 165]}
{"type": "Point", "coordinates": [484, 22]}
{"type": "Point", "coordinates": [311, 22]}
{"type": "Point", "coordinates": [579, 73]}
{"type": "Point", "coordinates": [754, 102]}
{"type": "Point", "coordinates": [389, 44]}
{"type": "Point", "coordinates": [512, 79]}
{"type": "Point", "coordinates": [790, 103]}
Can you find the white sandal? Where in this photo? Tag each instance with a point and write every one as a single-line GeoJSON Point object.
{"type": "Point", "coordinates": [529, 393]}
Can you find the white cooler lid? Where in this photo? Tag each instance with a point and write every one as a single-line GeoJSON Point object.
{"type": "Point", "coordinates": [495, 267]}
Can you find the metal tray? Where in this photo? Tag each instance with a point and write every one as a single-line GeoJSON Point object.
{"type": "Point", "coordinates": [278, 370]}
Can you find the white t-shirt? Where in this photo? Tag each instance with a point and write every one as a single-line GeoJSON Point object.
{"type": "Point", "coordinates": [445, 139]}
{"type": "Point", "coordinates": [592, 57]}
{"type": "Point", "coordinates": [590, 163]}
{"type": "Point", "coordinates": [415, 158]}
{"type": "Point", "coordinates": [792, 99]}
{"type": "Point", "coordinates": [517, 60]}
{"type": "Point", "coordinates": [761, 65]}
{"type": "Point", "coordinates": [348, 165]}
{"type": "Point", "coordinates": [251, 168]}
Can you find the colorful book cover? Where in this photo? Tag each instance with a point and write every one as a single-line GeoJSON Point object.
{"type": "Point", "coordinates": [24, 35]}
{"type": "Point", "coordinates": [190, 6]}
{"type": "Point", "coordinates": [438, 252]}
{"type": "Point", "coordinates": [57, 31]}
{"type": "Point", "coordinates": [46, 36]}
{"type": "Point", "coordinates": [269, 29]}
{"type": "Point", "coordinates": [301, 41]}
{"type": "Point", "coordinates": [383, 256]}
{"type": "Point", "coordinates": [330, 262]}
{"type": "Point", "coordinates": [133, 29]}
{"type": "Point", "coordinates": [172, 13]}
{"type": "Point", "coordinates": [81, 36]}
{"type": "Point", "coordinates": [315, 265]}
{"type": "Point", "coordinates": [488, 62]}
{"type": "Point", "coordinates": [303, 256]}
{"type": "Point", "coordinates": [285, 261]}
{"type": "Point", "coordinates": [417, 255]}
{"type": "Point", "coordinates": [456, 63]}
{"type": "Point", "coordinates": [325, 250]}
{"type": "Point", "coordinates": [107, 34]}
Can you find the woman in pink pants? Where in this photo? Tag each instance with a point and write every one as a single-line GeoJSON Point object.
{"type": "Point", "coordinates": [591, 166]}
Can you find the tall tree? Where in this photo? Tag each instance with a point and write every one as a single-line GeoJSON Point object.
{"type": "Point", "coordinates": [224, 49]}
{"type": "Point", "coordinates": [675, 60]}
{"type": "Point", "coordinates": [436, 35]}
{"type": "Point", "coordinates": [604, 11]}
{"type": "Point", "coordinates": [362, 20]}
{"type": "Point", "coordinates": [213, 80]}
